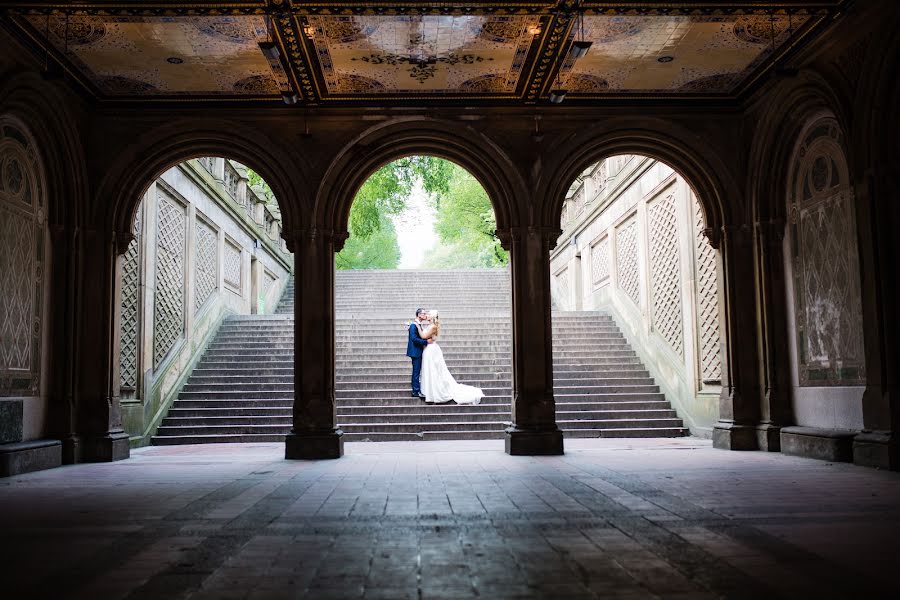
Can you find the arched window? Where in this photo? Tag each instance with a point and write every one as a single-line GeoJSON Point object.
{"type": "Point", "coordinates": [824, 261]}
{"type": "Point", "coordinates": [22, 229]}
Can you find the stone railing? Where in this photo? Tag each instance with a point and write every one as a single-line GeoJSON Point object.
{"type": "Point", "coordinates": [235, 184]}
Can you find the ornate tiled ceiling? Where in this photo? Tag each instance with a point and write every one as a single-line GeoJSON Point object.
{"type": "Point", "coordinates": [333, 53]}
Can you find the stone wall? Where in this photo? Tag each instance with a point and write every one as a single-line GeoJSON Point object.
{"type": "Point", "coordinates": [206, 246]}
{"type": "Point", "coordinates": [632, 245]}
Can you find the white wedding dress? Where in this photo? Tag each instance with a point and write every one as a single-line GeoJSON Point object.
{"type": "Point", "coordinates": [438, 385]}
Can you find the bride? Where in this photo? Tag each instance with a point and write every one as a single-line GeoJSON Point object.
{"type": "Point", "coordinates": [438, 384]}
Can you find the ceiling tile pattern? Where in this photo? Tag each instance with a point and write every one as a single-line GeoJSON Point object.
{"type": "Point", "coordinates": [674, 54]}
{"type": "Point", "coordinates": [510, 52]}
{"type": "Point", "coordinates": [153, 56]}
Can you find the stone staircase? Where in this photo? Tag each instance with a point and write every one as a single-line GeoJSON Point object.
{"type": "Point", "coordinates": [242, 389]}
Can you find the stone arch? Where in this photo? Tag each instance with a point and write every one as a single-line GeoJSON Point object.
{"type": "Point", "coordinates": [383, 143]}
{"type": "Point", "coordinates": [709, 179]}
{"type": "Point", "coordinates": [823, 258]}
{"type": "Point", "coordinates": [774, 141]}
{"type": "Point", "coordinates": [131, 174]}
{"type": "Point", "coordinates": [55, 127]}
{"type": "Point", "coordinates": [23, 258]}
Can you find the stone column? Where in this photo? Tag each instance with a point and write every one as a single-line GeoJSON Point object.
{"type": "Point", "coordinates": [878, 224]}
{"type": "Point", "coordinates": [99, 436]}
{"type": "Point", "coordinates": [314, 433]}
{"type": "Point", "coordinates": [61, 375]}
{"type": "Point", "coordinates": [775, 362]}
{"type": "Point", "coordinates": [739, 400]}
{"type": "Point", "coordinates": [533, 430]}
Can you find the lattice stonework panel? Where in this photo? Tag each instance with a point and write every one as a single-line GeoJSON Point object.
{"type": "Point", "coordinates": [129, 328]}
{"type": "Point", "coordinates": [562, 287]}
{"type": "Point", "coordinates": [206, 269]}
{"type": "Point", "coordinates": [268, 282]}
{"type": "Point", "coordinates": [825, 263]}
{"type": "Point", "coordinates": [665, 273]}
{"type": "Point", "coordinates": [21, 262]}
{"type": "Point", "coordinates": [168, 318]}
{"type": "Point", "coordinates": [600, 261]}
{"type": "Point", "coordinates": [710, 361]}
{"type": "Point", "coordinates": [233, 263]}
{"type": "Point", "coordinates": [627, 259]}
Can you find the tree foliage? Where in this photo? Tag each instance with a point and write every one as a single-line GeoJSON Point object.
{"type": "Point", "coordinates": [466, 226]}
{"type": "Point", "coordinates": [379, 250]}
{"type": "Point", "coordinates": [373, 239]}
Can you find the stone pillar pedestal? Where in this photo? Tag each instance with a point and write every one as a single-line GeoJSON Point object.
{"type": "Point", "coordinates": [314, 434]}
{"type": "Point", "coordinates": [878, 223]}
{"type": "Point", "coordinates": [739, 403]}
{"type": "Point", "coordinates": [99, 436]}
{"type": "Point", "coordinates": [533, 430]}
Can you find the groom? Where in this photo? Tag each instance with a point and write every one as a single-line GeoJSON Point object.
{"type": "Point", "coordinates": [414, 348]}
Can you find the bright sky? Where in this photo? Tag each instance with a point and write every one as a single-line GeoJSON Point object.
{"type": "Point", "coordinates": [415, 229]}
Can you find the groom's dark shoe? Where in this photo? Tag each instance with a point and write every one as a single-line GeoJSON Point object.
{"type": "Point", "coordinates": [417, 395]}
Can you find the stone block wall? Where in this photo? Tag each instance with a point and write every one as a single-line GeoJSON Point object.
{"type": "Point", "coordinates": [206, 246]}
{"type": "Point", "coordinates": [632, 245]}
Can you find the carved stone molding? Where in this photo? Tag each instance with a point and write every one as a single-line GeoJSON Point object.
{"type": "Point", "coordinates": [713, 236]}
{"type": "Point", "coordinates": [121, 241]}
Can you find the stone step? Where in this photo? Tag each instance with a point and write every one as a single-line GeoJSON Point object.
{"type": "Point", "coordinates": [243, 388]}
{"type": "Point", "coordinates": [615, 432]}
{"type": "Point", "coordinates": [177, 440]}
{"type": "Point", "coordinates": [639, 423]}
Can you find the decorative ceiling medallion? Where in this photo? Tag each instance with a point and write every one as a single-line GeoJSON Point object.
{"type": "Point", "coordinates": [586, 83]}
{"type": "Point", "coordinates": [421, 55]}
{"type": "Point", "coordinates": [83, 30]}
{"type": "Point", "coordinates": [256, 84]}
{"type": "Point", "coordinates": [757, 30]}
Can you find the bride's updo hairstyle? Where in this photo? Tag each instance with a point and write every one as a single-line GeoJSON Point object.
{"type": "Point", "coordinates": [436, 319]}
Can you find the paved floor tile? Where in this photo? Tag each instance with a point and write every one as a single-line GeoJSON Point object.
{"type": "Point", "coordinates": [610, 519]}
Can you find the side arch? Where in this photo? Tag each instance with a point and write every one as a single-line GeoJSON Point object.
{"type": "Point", "coordinates": [775, 139]}
{"type": "Point", "coordinates": [47, 113]}
{"type": "Point", "coordinates": [120, 192]}
{"type": "Point", "coordinates": [404, 137]}
{"type": "Point", "coordinates": [711, 181]}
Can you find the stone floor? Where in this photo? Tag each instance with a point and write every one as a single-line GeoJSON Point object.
{"type": "Point", "coordinates": [611, 518]}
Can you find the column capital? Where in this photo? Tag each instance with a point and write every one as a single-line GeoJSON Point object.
{"type": "Point", "coordinates": [293, 237]}
{"type": "Point", "coordinates": [770, 232]}
{"type": "Point", "coordinates": [548, 234]}
{"type": "Point", "coordinates": [122, 240]}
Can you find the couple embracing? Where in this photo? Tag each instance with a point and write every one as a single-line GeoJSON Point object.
{"type": "Point", "coordinates": [431, 380]}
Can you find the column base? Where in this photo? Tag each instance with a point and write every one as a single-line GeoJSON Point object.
{"type": "Point", "coordinates": [879, 449]}
{"type": "Point", "coordinates": [314, 446]}
{"type": "Point", "coordinates": [524, 442]}
{"type": "Point", "coordinates": [768, 437]}
{"type": "Point", "coordinates": [729, 436]}
{"type": "Point", "coordinates": [834, 445]}
{"type": "Point", "coordinates": [110, 447]}
{"type": "Point", "coordinates": [25, 457]}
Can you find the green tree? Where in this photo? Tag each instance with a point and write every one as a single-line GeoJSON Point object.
{"type": "Point", "coordinates": [373, 239]}
{"type": "Point", "coordinates": [379, 250]}
{"type": "Point", "coordinates": [466, 226]}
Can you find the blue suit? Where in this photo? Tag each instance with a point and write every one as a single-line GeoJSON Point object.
{"type": "Point", "coordinates": [414, 348]}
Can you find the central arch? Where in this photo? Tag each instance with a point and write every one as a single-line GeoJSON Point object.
{"type": "Point", "coordinates": [397, 139]}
